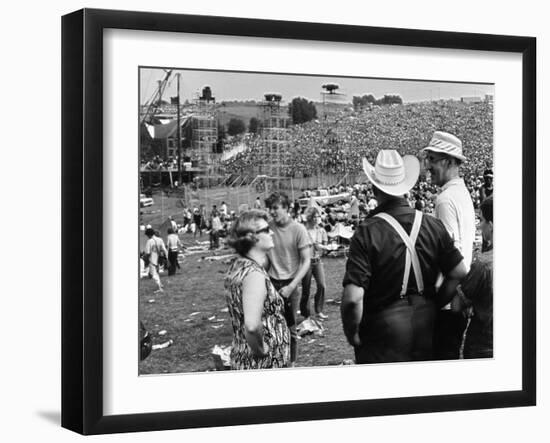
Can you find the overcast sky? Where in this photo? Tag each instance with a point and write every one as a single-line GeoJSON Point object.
{"type": "Point", "coordinates": [252, 86]}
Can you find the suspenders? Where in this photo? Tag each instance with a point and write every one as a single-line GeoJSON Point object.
{"type": "Point", "coordinates": [411, 257]}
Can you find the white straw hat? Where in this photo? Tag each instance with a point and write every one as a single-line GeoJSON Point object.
{"type": "Point", "coordinates": [447, 144]}
{"type": "Point", "coordinates": [391, 173]}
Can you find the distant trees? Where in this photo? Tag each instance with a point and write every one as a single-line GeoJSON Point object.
{"type": "Point", "coordinates": [301, 110]}
{"type": "Point", "coordinates": [391, 99]}
{"type": "Point", "coordinates": [369, 99]}
{"type": "Point", "coordinates": [235, 126]}
{"type": "Point", "coordinates": [254, 125]}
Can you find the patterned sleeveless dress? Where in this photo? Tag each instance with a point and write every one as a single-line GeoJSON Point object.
{"type": "Point", "coordinates": [276, 333]}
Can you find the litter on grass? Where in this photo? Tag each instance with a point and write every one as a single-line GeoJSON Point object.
{"type": "Point", "coordinates": [221, 357]}
{"type": "Point", "coordinates": [219, 257]}
{"type": "Point", "coordinates": [309, 326]}
{"type": "Point", "coordinates": [163, 345]}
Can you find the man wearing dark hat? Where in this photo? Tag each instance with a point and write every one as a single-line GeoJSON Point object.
{"type": "Point", "coordinates": [454, 207]}
{"type": "Point", "coordinates": [389, 301]}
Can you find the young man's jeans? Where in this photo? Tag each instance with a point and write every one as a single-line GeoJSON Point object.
{"type": "Point", "coordinates": [172, 262]}
{"type": "Point", "coordinates": [317, 271]}
{"type": "Point", "coordinates": [291, 305]}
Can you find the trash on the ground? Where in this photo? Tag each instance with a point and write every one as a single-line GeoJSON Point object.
{"type": "Point", "coordinates": [347, 362]}
{"type": "Point", "coordinates": [163, 332]}
{"type": "Point", "coordinates": [219, 257]}
{"type": "Point", "coordinates": [188, 319]}
{"type": "Point", "coordinates": [332, 301]}
{"type": "Point", "coordinates": [212, 318]}
{"type": "Point", "coordinates": [163, 345]}
{"type": "Point", "coordinates": [195, 248]}
{"type": "Point", "coordinates": [219, 319]}
{"type": "Point", "coordinates": [194, 313]}
{"type": "Point", "coordinates": [151, 300]}
{"type": "Point", "coordinates": [217, 326]}
{"type": "Point", "coordinates": [224, 310]}
{"type": "Point", "coordinates": [221, 357]}
{"type": "Point", "coordinates": [311, 341]}
{"type": "Point", "coordinates": [309, 326]}
{"type": "Point", "coordinates": [200, 251]}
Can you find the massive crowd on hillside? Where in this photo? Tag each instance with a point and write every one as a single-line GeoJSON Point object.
{"type": "Point", "coordinates": [338, 145]}
{"type": "Point", "coordinates": [280, 250]}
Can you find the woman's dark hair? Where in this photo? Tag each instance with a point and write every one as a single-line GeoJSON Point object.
{"type": "Point", "coordinates": [149, 232]}
{"type": "Point", "coordinates": [170, 231]}
{"type": "Point", "coordinates": [487, 208]}
{"type": "Point", "coordinates": [242, 236]}
{"type": "Point", "coordinates": [277, 198]}
{"type": "Point", "coordinates": [311, 213]}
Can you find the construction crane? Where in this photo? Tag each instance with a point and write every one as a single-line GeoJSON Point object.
{"type": "Point", "coordinates": [154, 102]}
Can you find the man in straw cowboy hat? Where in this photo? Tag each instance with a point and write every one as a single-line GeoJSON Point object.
{"type": "Point", "coordinates": [389, 301]}
{"type": "Point", "coordinates": [454, 207]}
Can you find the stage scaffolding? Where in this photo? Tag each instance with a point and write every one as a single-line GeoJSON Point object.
{"type": "Point", "coordinates": [274, 137]}
{"type": "Point", "coordinates": [204, 136]}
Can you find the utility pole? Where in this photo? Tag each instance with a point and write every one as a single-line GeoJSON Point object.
{"type": "Point", "coordinates": [160, 93]}
{"type": "Point", "coordinates": [179, 133]}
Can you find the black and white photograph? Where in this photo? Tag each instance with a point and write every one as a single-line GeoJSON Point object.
{"type": "Point", "coordinates": [291, 221]}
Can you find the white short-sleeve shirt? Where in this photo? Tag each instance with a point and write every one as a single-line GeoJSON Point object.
{"type": "Point", "coordinates": [455, 209]}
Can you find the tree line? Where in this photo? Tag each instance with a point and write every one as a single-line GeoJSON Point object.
{"type": "Point", "coordinates": [369, 99]}
{"type": "Point", "coordinates": [301, 110]}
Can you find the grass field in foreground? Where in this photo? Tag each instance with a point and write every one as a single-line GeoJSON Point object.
{"type": "Point", "coordinates": [192, 311]}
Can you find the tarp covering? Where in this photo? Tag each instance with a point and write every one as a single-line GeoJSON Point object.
{"type": "Point", "coordinates": [166, 129]}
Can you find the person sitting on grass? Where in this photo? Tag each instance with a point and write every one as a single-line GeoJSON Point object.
{"type": "Point", "coordinates": [261, 338]}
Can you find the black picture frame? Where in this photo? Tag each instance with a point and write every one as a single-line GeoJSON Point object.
{"type": "Point", "coordinates": [82, 220]}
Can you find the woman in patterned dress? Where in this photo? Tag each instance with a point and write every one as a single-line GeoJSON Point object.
{"type": "Point", "coordinates": [261, 338]}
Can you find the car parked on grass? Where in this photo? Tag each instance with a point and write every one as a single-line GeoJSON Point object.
{"type": "Point", "coordinates": [145, 201]}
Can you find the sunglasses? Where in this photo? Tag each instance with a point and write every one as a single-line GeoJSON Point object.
{"type": "Point", "coordinates": [434, 159]}
{"type": "Point", "coordinates": [265, 230]}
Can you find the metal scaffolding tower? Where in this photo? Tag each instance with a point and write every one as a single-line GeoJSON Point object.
{"type": "Point", "coordinates": [274, 136]}
{"type": "Point", "coordinates": [204, 137]}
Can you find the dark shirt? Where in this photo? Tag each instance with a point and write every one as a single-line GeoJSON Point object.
{"type": "Point", "coordinates": [484, 192]}
{"type": "Point", "coordinates": [478, 288]}
{"type": "Point", "coordinates": [197, 219]}
{"type": "Point", "coordinates": [376, 259]}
